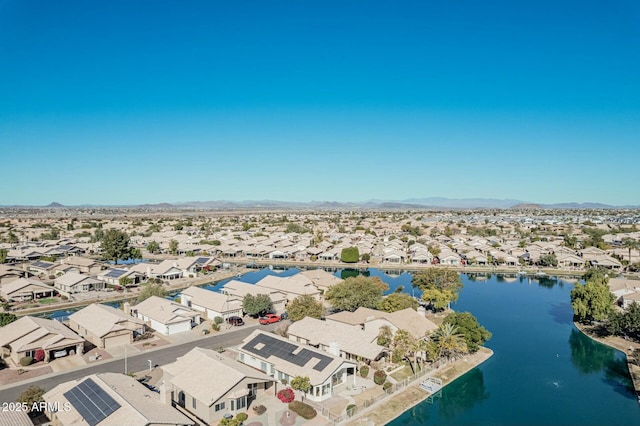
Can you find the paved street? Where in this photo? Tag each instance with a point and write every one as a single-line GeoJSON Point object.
{"type": "Point", "coordinates": [138, 362]}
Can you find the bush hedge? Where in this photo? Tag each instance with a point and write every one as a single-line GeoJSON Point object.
{"type": "Point", "coordinates": [259, 409]}
{"type": "Point", "coordinates": [387, 386]}
{"type": "Point", "coordinates": [305, 411]}
{"type": "Point", "coordinates": [26, 360]}
{"type": "Point", "coordinates": [379, 377]}
{"type": "Point", "coordinates": [242, 417]}
{"type": "Point", "coordinates": [351, 409]}
{"type": "Point", "coordinates": [286, 395]}
{"type": "Point", "coordinates": [364, 371]}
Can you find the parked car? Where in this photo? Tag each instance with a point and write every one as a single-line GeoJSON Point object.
{"type": "Point", "coordinates": [269, 319]}
{"type": "Point", "coordinates": [235, 321]}
{"type": "Point", "coordinates": [284, 316]}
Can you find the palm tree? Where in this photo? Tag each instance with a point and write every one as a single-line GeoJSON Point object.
{"type": "Point", "coordinates": [449, 342]}
{"type": "Point", "coordinates": [629, 243]}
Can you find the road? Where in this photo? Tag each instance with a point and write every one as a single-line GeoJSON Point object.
{"type": "Point", "coordinates": [138, 362]}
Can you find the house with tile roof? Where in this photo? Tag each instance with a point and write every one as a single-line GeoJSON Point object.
{"type": "Point", "coordinates": [105, 326]}
{"type": "Point", "coordinates": [209, 385]}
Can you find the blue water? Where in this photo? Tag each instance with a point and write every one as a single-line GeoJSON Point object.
{"type": "Point", "coordinates": [544, 371]}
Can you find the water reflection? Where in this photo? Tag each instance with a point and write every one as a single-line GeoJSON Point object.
{"type": "Point", "coordinates": [561, 313]}
{"type": "Point", "coordinates": [591, 357]}
{"type": "Point", "coordinates": [616, 374]}
{"type": "Point", "coordinates": [350, 273]}
{"type": "Point", "coordinates": [462, 395]}
{"type": "Point", "coordinates": [548, 282]}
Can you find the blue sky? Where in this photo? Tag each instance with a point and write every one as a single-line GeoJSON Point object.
{"type": "Point", "coordinates": [121, 102]}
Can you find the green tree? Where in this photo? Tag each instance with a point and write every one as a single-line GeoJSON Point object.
{"type": "Point", "coordinates": [592, 301]}
{"type": "Point", "coordinates": [474, 334]}
{"type": "Point", "coordinates": [125, 281]}
{"type": "Point", "coordinates": [12, 238]}
{"type": "Point", "coordinates": [548, 260]}
{"type": "Point", "coordinates": [173, 247]}
{"type": "Point", "coordinates": [403, 346]}
{"type": "Point", "coordinates": [3, 255]}
{"type": "Point", "coordinates": [7, 318]}
{"type": "Point", "coordinates": [258, 304]}
{"type": "Point", "coordinates": [630, 244]}
{"type": "Point", "coordinates": [230, 422]}
{"type": "Point", "coordinates": [115, 245]}
{"type": "Point", "coordinates": [397, 302]}
{"type": "Point", "coordinates": [449, 342]}
{"type": "Point", "coordinates": [356, 292]}
{"type": "Point", "coordinates": [32, 395]}
{"type": "Point", "coordinates": [570, 241]}
{"type": "Point", "coordinates": [385, 336]}
{"type": "Point", "coordinates": [304, 306]}
{"type": "Point", "coordinates": [153, 247]}
{"type": "Point", "coordinates": [300, 383]}
{"type": "Point", "coordinates": [366, 257]}
{"type": "Point", "coordinates": [135, 253]}
{"type": "Point", "coordinates": [350, 255]}
{"type": "Point", "coordinates": [439, 286]}
{"type": "Point", "coordinates": [149, 290]}
{"type": "Point", "coordinates": [98, 235]}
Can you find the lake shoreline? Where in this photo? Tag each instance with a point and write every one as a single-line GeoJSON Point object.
{"type": "Point", "coordinates": [397, 404]}
{"type": "Point", "coordinates": [630, 348]}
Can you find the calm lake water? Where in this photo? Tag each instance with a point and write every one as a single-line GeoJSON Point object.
{"type": "Point", "coordinates": [544, 371]}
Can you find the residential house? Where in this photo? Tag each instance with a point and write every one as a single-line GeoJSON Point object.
{"type": "Point", "coordinates": [413, 321]}
{"type": "Point", "coordinates": [165, 316]}
{"type": "Point", "coordinates": [238, 290]}
{"type": "Point", "coordinates": [210, 385]}
{"type": "Point", "coordinates": [113, 276]}
{"type": "Point", "coordinates": [109, 399]}
{"type": "Point", "coordinates": [293, 286]}
{"type": "Point", "coordinates": [212, 303]}
{"type": "Point", "coordinates": [105, 326]}
{"type": "Point", "coordinates": [284, 359]}
{"type": "Point", "coordinates": [321, 279]}
{"type": "Point", "coordinates": [73, 282]}
{"type": "Point", "coordinates": [41, 267]}
{"type": "Point", "coordinates": [10, 273]}
{"type": "Point", "coordinates": [26, 335]}
{"type": "Point", "coordinates": [83, 265]}
{"type": "Point", "coordinates": [24, 289]}
{"type": "Point", "coordinates": [339, 339]}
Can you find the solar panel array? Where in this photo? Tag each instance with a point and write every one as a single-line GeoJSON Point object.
{"type": "Point", "coordinates": [115, 273]}
{"type": "Point", "coordinates": [42, 264]}
{"type": "Point", "coordinates": [91, 402]}
{"type": "Point", "coordinates": [285, 351]}
{"type": "Point", "coordinates": [202, 260]}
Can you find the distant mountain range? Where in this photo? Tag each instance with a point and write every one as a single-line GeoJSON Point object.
{"type": "Point", "coordinates": [411, 203]}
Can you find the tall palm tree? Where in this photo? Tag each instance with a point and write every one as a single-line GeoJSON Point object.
{"type": "Point", "coordinates": [630, 243]}
{"type": "Point", "coordinates": [449, 342]}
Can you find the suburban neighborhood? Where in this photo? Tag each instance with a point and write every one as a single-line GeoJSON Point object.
{"type": "Point", "coordinates": [330, 363]}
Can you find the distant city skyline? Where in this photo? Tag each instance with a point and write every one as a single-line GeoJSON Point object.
{"type": "Point", "coordinates": [127, 103]}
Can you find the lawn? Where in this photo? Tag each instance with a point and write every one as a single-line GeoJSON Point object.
{"type": "Point", "coordinates": [400, 375]}
{"type": "Point", "coordinates": [48, 300]}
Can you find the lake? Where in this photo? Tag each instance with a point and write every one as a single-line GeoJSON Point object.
{"type": "Point", "coordinates": [544, 371]}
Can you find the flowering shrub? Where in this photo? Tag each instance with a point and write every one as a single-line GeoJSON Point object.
{"type": "Point", "coordinates": [39, 355]}
{"type": "Point", "coordinates": [286, 395]}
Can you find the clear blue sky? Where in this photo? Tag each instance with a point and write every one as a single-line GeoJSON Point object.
{"type": "Point", "coordinates": [128, 102]}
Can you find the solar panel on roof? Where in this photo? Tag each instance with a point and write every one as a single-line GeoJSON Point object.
{"type": "Point", "coordinates": [41, 264]}
{"type": "Point", "coordinates": [202, 260]}
{"type": "Point", "coordinates": [115, 273]}
{"type": "Point", "coordinates": [285, 351]}
{"type": "Point", "coordinates": [91, 402]}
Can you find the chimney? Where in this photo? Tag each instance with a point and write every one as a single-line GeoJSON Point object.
{"type": "Point", "coordinates": [334, 348]}
{"type": "Point", "coordinates": [165, 397]}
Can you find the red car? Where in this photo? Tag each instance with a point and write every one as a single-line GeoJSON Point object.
{"type": "Point", "coordinates": [269, 319]}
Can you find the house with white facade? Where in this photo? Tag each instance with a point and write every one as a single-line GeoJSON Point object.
{"type": "Point", "coordinates": [211, 303]}
{"type": "Point", "coordinates": [166, 316]}
{"type": "Point", "coordinates": [284, 359]}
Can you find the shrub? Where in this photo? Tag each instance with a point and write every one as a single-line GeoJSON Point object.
{"type": "Point", "coordinates": [286, 395]}
{"type": "Point", "coordinates": [379, 377]}
{"type": "Point", "coordinates": [303, 410]}
{"type": "Point", "coordinates": [351, 409]}
{"type": "Point", "coordinates": [259, 409]}
{"type": "Point", "coordinates": [242, 417]}
{"type": "Point", "coordinates": [215, 326]}
{"type": "Point", "coordinates": [26, 360]}
{"type": "Point", "coordinates": [218, 320]}
{"type": "Point", "coordinates": [39, 355]}
{"type": "Point", "coordinates": [387, 385]}
{"type": "Point", "coordinates": [364, 371]}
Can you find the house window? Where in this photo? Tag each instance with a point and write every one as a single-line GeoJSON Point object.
{"type": "Point", "coordinates": [193, 402]}
{"type": "Point", "coordinates": [240, 403]}
{"type": "Point", "coordinates": [219, 407]}
{"type": "Point", "coordinates": [263, 366]}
